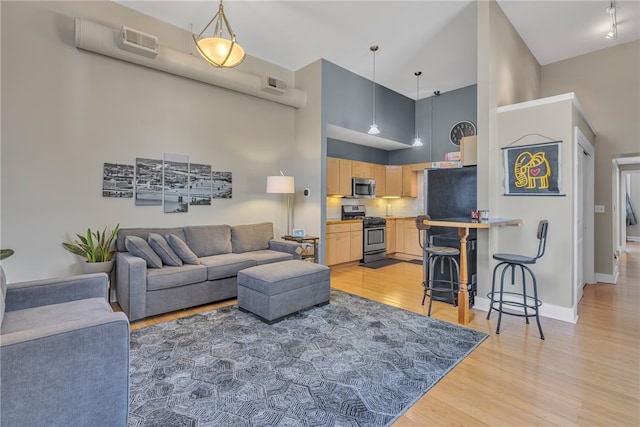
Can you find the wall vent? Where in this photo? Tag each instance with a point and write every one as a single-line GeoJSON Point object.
{"type": "Point", "coordinates": [135, 41]}
{"type": "Point", "coordinates": [273, 85]}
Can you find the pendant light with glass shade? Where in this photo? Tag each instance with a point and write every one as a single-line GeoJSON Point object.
{"type": "Point", "coordinates": [417, 142]}
{"type": "Point", "coordinates": [373, 129]}
{"type": "Point", "coordinates": [218, 50]}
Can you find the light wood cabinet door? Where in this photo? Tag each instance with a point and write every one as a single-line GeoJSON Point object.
{"type": "Point", "coordinates": [338, 248]}
{"type": "Point", "coordinates": [345, 177]}
{"type": "Point", "coordinates": [411, 245]}
{"type": "Point", "coordinates": [356, 245]}
{"type": "Point", "coordinates": [393, 181]}
{"type": "Point", "coordinates": [399, 228]}
{"type": "Point", "coordinates": [380, 175]}
{"type": "Point", "coordinates": [409, 182]}
{"type": "Point", "coordinates": [333, 176]}
{"type": "Point", "coordinates": [362, 169]}
{"type": "Point", "coordinates": [338, 177]}
{"type": "Point", "coordinates": [391, 236]}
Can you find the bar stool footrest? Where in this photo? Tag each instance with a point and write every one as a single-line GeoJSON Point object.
{"type": "Point", "coordinates": [531, 303]}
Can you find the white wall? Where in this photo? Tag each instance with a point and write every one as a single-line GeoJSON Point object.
{"type": "Point", "coordinates": [507, 73]}
{"type": "Point", "coordinates": [66, 111]}
{"type": "Point", "coordinates": [607, 82]}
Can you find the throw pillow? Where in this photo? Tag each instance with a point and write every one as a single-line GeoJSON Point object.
{"type": "Point", "coordinates": [139, 247]}
{"type": "Point", "coordinates": [182, 250]}
{"type": "Point", "coordinates": [161, 247]}
{"type": "Point", "coordinates": [251, 237]}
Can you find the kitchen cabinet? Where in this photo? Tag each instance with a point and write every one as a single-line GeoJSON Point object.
{"type": "Point", "coordinates": [391, 235]}
{"type": "Point", "coordinates": [338, 177]}
{"type": "Point", "coordinates": [406, 237]}
{"type": "Point", "coordinates": [344, 242]}
{"type": "Point", "coordinates": [409, 181]}
{"type": "Point", "coordinates": [380, 175]}
{"type": "Point", "coordinates": [411, 244]}
{"type": "Point", "coordinates": [356, 242]}
{"type": "Point", "coordinates": [361, 169]}
{"type": "Point", "coordinates": [393, 181]}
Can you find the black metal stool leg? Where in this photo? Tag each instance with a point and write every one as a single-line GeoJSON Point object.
{"type": "Point", "coordinates": [536, 301]}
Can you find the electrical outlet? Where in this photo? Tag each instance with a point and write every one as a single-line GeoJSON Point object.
{"type": "Point", "coordinates": [599, 209]}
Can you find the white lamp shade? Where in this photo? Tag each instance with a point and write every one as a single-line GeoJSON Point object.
{"type": "Point", "coordinates": [280, 184]}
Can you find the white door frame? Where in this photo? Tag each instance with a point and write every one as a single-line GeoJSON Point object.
{"type": "Point", "coordinates": [583, 204]}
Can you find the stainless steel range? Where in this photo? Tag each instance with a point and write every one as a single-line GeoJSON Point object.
{"type": "Point", "coordinates": [374, 238]}
{"type": "Point", "coordinates": [374, 230]}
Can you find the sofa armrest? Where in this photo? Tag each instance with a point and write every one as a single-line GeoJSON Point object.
{"type": "Point", "coordinates": [292, 248]}
{"type": "Point", "coordinates": [36, 293]}
{"type": "Point", "coordinates": [86, 384]}
{"type": "Point", "coordinates": [131, 285]}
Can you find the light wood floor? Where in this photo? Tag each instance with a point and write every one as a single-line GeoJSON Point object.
{"type": "Point", "coordinates": [585, 374]}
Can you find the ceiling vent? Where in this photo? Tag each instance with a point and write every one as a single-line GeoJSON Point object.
{"type": "Point", "coordinates": [273, 85]}
{"type": "Point", "coordinates": [135, 41]}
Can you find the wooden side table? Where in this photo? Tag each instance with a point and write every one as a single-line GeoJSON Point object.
{"type": "Point", "coordinates": [312, 240]}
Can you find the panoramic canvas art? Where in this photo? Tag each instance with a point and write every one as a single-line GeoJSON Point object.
{"type": "Point", "coordinates": [148, 182]}
{"type": "Point", "coordinates": [199, 184]}
{"type": "Point", "coordinates": [117, 180]}
{"type": "Point", "coordinates": [176, 183]}
{"type": "Point", "coordinates": [221, 185]}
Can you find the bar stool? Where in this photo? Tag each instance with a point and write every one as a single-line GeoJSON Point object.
{"type": "Point", "coordinates": [520, 300]}
{"type": "Point", "coordinates": [436, 255]}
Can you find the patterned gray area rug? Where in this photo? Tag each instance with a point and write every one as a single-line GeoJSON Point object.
{"type": "Point", "coordinates": [354, 362]}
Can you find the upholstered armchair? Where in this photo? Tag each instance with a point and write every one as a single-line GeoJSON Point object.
{"type": "Point", "coordinates": [64, 354]}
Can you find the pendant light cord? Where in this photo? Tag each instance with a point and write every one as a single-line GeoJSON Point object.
{"type": "Point", "coordinates": [374, 48]}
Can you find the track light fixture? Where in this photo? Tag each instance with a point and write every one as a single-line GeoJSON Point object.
{"type": "Point", "coordinates": [612, 10]}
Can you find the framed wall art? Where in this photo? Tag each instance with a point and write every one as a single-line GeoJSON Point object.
{"type": "Point", "coordinates": [533, 170]}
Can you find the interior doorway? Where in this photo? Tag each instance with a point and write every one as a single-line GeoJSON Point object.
{"type": "Point", "coordinates": [584, 221]}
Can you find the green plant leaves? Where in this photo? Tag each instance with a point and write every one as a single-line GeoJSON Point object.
{"type": "Point", "coordinates": [5, 253]}
{"type": "Point", "coordinates": [95, 246]}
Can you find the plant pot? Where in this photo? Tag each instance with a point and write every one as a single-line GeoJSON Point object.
{"type": "Point", "coordinates": [98, 267]}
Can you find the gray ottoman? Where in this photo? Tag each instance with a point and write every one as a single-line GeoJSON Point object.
{"type": "Point", "coordinates": [272, 291]}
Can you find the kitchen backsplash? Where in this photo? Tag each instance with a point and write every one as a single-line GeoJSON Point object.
{"type": "Point", "coordinates": [403, 207]}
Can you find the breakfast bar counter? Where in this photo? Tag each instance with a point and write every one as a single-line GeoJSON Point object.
{"type": "Point", "coordinates": [464, 225]}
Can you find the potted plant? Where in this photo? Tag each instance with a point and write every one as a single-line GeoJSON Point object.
{"type": "Point", "coordinates": [96, 248]}
{"type": "Point", "coordinates": [5, 253]}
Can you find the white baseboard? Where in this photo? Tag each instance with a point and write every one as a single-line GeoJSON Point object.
{"type": "Point", "coordinates": [633, 238]}
{"type": "Point", "coordinates": [607, 278]}
{"type": "Point", "coordinates": [551, 311]}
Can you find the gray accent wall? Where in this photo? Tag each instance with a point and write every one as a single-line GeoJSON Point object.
{"type": "Point", "coordinates": [347, 101]}
{"type": "Point", "coordinates": [435, 116]}
{"type": "Point", "coordinates": [350, 151]}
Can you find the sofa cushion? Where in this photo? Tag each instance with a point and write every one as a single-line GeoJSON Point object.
{"type": "Point", "coordinates": [161, 247]}
{"type": "Point", "coordinates": [46, 315]}
{"type": "Point", "coordinates": [226, 265]}
{"type": "Point", "coordinates": [182, 250]}
{"type": "Point", "coordinates": [170, 277]}
{"type": "Point", "coordinates": [140, 248]}
{"type": "Point", "coordinates": [207, 240]}
{"type": "Point", "coordinates": [251, 237]}
{"type": "Point", "coordinates": [268, 256]}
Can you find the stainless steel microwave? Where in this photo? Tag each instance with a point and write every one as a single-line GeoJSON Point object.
{"type": "Point", "coordinates": [363, 188]}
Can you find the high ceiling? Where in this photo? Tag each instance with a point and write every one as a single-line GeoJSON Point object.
{"type": "Point", "coordinates": [435, 37]}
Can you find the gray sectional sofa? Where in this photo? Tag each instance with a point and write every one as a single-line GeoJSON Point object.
{"type": "Point", "coordinates": [159, 270]}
